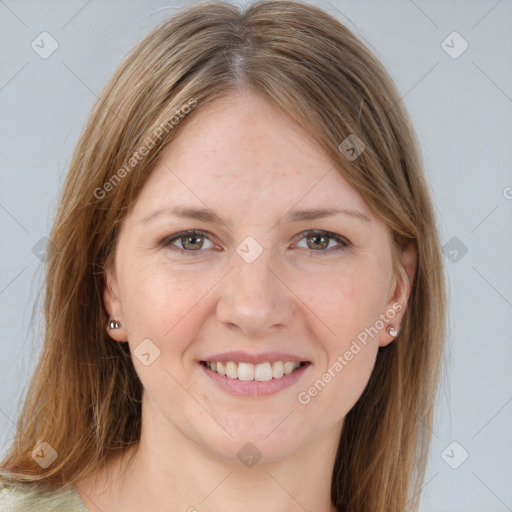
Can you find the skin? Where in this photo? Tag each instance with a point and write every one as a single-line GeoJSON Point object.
{"type": "Point", "coordinates": [249, 162]}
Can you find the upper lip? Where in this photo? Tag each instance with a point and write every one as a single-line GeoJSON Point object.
{"type": "Point", "coordinates": [246, 357]}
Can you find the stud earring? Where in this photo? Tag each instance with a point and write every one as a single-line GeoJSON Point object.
{"type": "Point", "coordinates": [114, 324]}
{"type": "Point", "coordinates": [391, 331]}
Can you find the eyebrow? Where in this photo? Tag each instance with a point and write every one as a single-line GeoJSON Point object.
{"type": "Point", "coordinates": [209, 215]}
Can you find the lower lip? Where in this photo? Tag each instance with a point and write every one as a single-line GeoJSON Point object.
{"type": "Point", "coordinates": [255, 388]}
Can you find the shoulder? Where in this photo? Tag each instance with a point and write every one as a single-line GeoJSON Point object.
{"type": "Point", "coordinates": [37, 498]}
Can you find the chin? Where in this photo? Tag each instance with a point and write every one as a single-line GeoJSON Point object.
{"type": "Point", "coordinates": [255, 442]}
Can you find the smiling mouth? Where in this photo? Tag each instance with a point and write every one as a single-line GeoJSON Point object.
{"type": "Point", "coordinates": [247, 371]}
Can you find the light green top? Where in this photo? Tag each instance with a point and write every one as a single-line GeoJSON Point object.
{"type": "Point", "coordinates": [35, 498]}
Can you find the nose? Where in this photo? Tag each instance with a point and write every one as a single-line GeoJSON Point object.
{"type": "Point", "coordinates": [254, 297]}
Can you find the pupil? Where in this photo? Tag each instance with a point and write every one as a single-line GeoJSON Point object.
{"type": "Point", "coordinates": [191, 240]}
{"type": "Point", "coordinates": [321, 237]}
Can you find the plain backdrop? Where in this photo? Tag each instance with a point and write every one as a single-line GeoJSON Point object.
{"type": "Point", "coordinates": [451, 61]}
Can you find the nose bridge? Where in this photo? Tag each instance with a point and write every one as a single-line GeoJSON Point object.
{"type": "Point", "coordinates": [254, 298]}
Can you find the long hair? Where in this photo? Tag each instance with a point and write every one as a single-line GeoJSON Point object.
{"type": "Point", "coordinates": [84, 397]}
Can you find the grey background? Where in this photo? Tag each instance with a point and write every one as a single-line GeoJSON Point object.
{"type": "Point", "coordinates": [461, 108]}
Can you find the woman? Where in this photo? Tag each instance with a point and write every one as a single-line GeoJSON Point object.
{"type": "Point", "coordinates": [244, 296]}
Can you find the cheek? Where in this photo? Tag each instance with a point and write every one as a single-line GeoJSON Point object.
{"type": "Point", "coordinates": [356, 301]}
{"type": "Point", "coordinates": [350, 377]}
{"type": "Point", "coordinates": [351, 351]}
{"type": "Point", "coordinates": [351, 302]}
{"type": "Point", "coordinates": [161, 304]}
{"type": "Point", "coordinates": [163, 307]}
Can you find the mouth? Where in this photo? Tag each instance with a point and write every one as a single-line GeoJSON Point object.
{"type": "Point", "coordinates": [254, 380]}
{"type": "Point", "coordinates": [261, 372]}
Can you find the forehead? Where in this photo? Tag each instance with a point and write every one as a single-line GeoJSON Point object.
{"type": "Point", "coordinates": [239, 152]}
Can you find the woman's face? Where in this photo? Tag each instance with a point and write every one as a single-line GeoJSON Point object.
{"type": "Point", "coordinates": [256, 279]}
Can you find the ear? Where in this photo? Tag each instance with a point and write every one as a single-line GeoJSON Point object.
{"type": "Point", "coordinates": [112, 304]}
{"type": "Point", "coordinates": [401, 287]}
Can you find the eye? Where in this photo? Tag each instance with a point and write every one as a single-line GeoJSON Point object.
{"type": "Point", "coordinates": [319, 241]}
{"type": "Point", "coordinates": [192, 241]}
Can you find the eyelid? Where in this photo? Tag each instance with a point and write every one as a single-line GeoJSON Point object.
{"type": "Point", "coordinates": [167, 241]}
{"type": "Point", "coordinates": [340, 239]}
{"type": "Point", "coordinates": [343, 244]}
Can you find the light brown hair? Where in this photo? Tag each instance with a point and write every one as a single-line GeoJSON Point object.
{"type": "Point", "coordinates": [84, 398]}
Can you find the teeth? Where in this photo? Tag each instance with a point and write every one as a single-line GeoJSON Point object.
{"type": "Point", "coordinates": [277, 369]}
{"type": "Point", "coordinates": [248, 371]}
{"type": "Point", "coordinates": [245, 371]}
{"type": "Point", "coordinates": [263, 372]}
{"type": "Point", "coordinates": [221, 368]}
{"type": "Point", "coordinates": [231, 370]}
{"type": "Point", "coordinates": [289, 367]}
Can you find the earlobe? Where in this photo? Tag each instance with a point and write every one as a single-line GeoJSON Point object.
{"type": "Point", "coordinates": [392, 331]}
{"type": "Point", "coordinates": [112, 305]}
{"type": "Point", "coordinates": [114, 324]}
{"type": "Point", "coordinates": [397, 306]}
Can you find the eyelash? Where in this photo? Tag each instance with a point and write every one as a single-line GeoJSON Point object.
{"type": "Point", "coordinates": [343, 244]}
